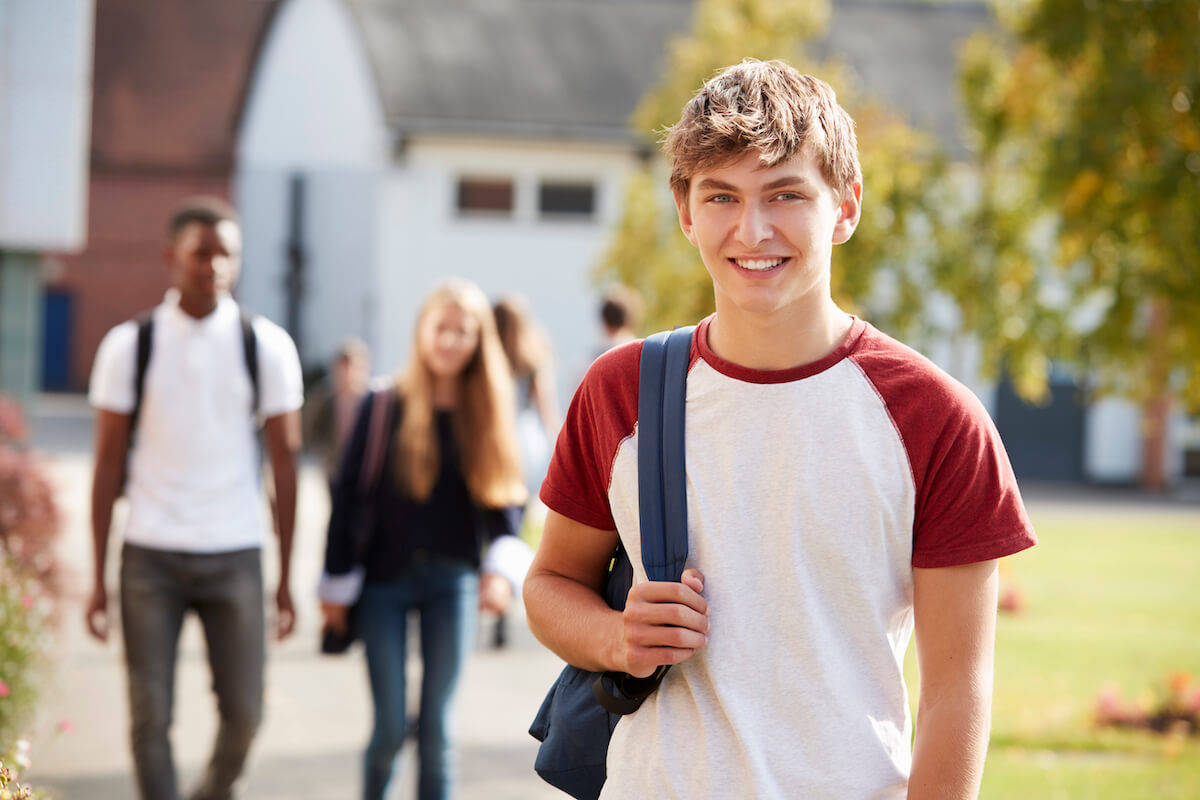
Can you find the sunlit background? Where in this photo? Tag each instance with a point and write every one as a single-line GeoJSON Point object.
{"type": "Point", "coordinates": [1032, 189]}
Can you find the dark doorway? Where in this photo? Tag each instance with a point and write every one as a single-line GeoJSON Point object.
{"type": "Point", "coordinates": [58, 323]}
{"type": "Point", "coordinates": [1044, 442]}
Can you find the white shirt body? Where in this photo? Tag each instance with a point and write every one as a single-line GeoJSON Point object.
{"type": "Point", "coordinates": [194, 482]}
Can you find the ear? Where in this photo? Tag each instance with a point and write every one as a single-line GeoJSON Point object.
{"type": "Point", "coordinates": [848, 214]}
{"type": "Point", "coordinates": [685, 216]}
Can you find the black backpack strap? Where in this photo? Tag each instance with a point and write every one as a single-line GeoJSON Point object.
{"type": "Point", "coordinates": [145, 339]}
{"type": "Point", "coordinates": [250, 352]}
{"type": "Point", "coordinates": [662, 491]}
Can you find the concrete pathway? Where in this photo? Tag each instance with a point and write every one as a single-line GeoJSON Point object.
{"type": "Point", "coordinates": [318, 707]}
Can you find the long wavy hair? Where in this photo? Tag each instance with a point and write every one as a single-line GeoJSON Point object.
{"type": "Point", "coordinates": [483, 418]}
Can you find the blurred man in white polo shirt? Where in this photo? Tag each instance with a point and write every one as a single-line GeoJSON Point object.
{"type": "Point", "coordinates": [177, 431]}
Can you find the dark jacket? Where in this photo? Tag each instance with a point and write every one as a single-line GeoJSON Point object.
{"type": "Point", "coordinates": [402, 531]}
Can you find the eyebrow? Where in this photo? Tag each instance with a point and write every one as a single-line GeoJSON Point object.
{"type": "Point", "coordinates": [709, 184]}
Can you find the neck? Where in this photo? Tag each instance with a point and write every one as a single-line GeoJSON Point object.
{"type": "Point", "coordinates": [196, 307]}
{"type": "Point", "coordinates": [782, 340]}
{"type": "Point", "coordinates": [445, 393]}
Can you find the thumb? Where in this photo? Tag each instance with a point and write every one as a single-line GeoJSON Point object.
{"type": "Point", "coordinates": [693, 579]}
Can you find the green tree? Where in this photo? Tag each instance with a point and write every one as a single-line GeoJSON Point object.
{"type": "Point", "coordinates": [1089, 149]}
{"type": "Point", "coordinates": [880, 273]}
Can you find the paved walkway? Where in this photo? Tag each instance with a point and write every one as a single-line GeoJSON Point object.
{"type": "Point", "coordinates": [318, 711]}
{"type": "Point", "coordinates": [318, 707]}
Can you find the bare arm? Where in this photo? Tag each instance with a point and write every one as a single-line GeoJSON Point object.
{"type": "Point", "coordinates": [283, 442]}
{"type": "Point", "coordinates": [663, 623]}
{"type": "Point", "coordinates": [111, 446]}
{"type": "Point", "coordinates": [955, 613]}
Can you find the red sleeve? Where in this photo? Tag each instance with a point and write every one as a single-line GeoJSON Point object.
{"type": "Point", "coordinates": [602, 414]}
{"type": "Point", "coordinates": [968, 506]}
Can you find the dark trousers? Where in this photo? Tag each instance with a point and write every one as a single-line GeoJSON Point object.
{"type": "Point", "coordinates": [225, 590]}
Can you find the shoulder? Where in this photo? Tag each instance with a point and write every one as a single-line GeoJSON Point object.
{"type": "Point", "coordinates": [617, 366]}
{"type": "Point", "coordinates": [906, 379]}
{"type": "Point", "coordinates": [272, 340]}
{"type": "Point", "coordinates": [119, 345]}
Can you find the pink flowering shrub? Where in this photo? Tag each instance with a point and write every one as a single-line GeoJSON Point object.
{"type": "Point", "coordinates": [29, 526]}
{"type": "Point", "coordinates": [1173, 708]}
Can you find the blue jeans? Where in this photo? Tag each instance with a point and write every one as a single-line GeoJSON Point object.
{"type": "Point", "coordinates": [446, 596]}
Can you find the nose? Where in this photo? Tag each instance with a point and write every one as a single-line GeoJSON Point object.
{"type": "Point", "coordinates": [754, 226]}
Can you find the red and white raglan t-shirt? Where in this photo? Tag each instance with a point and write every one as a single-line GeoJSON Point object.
{"type": "Point", "coordinates": [812, 494]}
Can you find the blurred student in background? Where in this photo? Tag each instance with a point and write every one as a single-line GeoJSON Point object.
{"type": "Point", "coordinates": [620, 316]}
{"type": "Point", "coordinates": [529, 356]}
{"type": "Point", "coordinates": [538, 417]}
{"type": "Point", "coordinates": [450, 484]}
{"type": "Point", "coordinates": [330, 416]}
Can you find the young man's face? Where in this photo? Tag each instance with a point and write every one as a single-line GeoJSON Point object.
{"type": "Point", "coordinates": [766, 235]}
{"type": "Point", "coordinates": [204, 262]}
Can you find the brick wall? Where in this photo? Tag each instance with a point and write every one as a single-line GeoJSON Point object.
{"type": "Point", "coordinates": [122, 271]}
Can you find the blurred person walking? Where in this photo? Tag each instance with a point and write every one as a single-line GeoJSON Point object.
{"type": "Point", "coordinates": [538, 417]}
{"type": "Point", "coordinates": [620, 316]}
{"type": "Point", "coordinates": [330, 416]}
{"type": "Point", "coordinates": [532, 363]}
{"type": "Point", "coordinates": [178, 395]}
{"type": "Point", "coordinates": [450, 484]}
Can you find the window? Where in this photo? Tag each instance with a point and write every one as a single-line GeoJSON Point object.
{"type": "Point", "coordinates": [485, 195]}
{"type": "Point", "coordinates": [567, 199]}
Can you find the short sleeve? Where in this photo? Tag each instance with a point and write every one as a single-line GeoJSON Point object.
{"type": "Point", "coordinates": [601, 415]}
{"type": "Point", "coordinates": [969, 508]}
{"type": "Point", "coordinates": [281, 381]}
{"type": "Point", "coordinates": [110, 387]}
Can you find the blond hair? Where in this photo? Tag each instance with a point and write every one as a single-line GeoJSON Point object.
{"type": "Point", "coordinates": [484, 431]}
{"type": "Point", "coordinates": [768, 107]}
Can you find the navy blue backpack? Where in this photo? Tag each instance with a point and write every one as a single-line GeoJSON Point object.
{"type": "Point", "coordinates": [581, 710]}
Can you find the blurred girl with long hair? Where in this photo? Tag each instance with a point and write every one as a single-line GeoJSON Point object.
{"type": "Point", "coordinates": [450, 484]}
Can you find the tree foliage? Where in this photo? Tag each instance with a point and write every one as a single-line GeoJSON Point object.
{"type": "Point", "coordinates": [880, 273]}
{"type": "Point", "coordinates": [1084, 115]}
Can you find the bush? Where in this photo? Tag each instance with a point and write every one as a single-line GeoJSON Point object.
{"type": "Point", "coordinates": [29, 527]}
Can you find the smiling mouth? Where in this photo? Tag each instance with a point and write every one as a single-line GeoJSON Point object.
{"type": "Point", "coordinates": [758, 264]}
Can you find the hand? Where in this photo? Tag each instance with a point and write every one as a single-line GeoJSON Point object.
{"type": "Point", "coordinates": [334, 617]}
{"type": "Point", "coordinates": [96, 614]}
{"type": "Point", "coordinates": [495, 593]}
{"type": "Point", "coordinates": [664, 623]}
{"type": "Point", "coordinates": [285, 618]}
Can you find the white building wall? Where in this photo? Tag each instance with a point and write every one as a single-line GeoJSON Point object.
{"type": "Point", "coordinates": [45, 122]}
{"type": "Point", "coordinates": [424, 239]}
{"type": "Point", "coordinates": [312, 111]}
{"type": "Point", "coordinates": [313, 101]}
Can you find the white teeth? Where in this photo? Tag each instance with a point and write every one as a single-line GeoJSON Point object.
{"type": "Point", "coordinates": [758, 264]}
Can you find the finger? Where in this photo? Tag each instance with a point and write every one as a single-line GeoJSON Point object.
{"type": "Point", "coordinates": [643, 661]}
{"type": "Point", "coordinates": [693, 579]}
{"type": "Point", "coordinates": [667, 593]}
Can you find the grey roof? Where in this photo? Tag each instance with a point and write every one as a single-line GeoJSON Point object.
{"type": "Point", "coordinates": [577, 68]}
{"type": "Point", "coordinates": [573, 68]}
{"type": "Point", "coordinates": [906, 54]}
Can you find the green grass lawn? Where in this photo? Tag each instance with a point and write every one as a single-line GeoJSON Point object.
{"type": "Point", "coordinates": [1112, 597]}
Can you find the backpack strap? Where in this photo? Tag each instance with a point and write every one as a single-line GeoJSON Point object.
{"type": "Point", "coordinates": [250, 353]}
{"type": "Point", "coordinates": [662, 490]}
{"type": "Point", "coordinates": [145, 338]}
{"type": "Point", "coordinates": [145, 341]}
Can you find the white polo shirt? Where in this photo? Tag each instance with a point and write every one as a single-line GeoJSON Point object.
{"type": "Point", "coordinates": [194, 471]}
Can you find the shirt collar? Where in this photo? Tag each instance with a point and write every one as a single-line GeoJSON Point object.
{"type": "Point", "coordinates": [226, 309]}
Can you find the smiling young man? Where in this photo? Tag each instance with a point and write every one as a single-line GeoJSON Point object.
{"type": "Point", "coordinates": [840, 488]}
{"type": "Point", "coordinates": [193, 536]}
